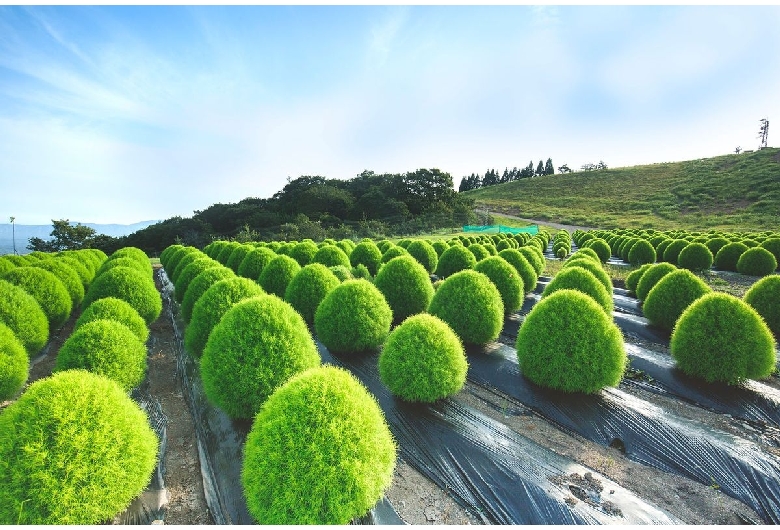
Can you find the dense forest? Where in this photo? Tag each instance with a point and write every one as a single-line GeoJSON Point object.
{"type": "Point", "coordinates": [369, 205]}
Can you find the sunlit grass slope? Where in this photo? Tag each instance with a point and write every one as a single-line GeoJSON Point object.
{"type": "Point", "coordinates": [733, 192]}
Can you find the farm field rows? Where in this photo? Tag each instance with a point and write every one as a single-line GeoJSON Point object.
{"type": "Point", "coordinates": [660, 447]}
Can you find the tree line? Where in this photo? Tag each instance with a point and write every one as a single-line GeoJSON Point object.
{"type": "Point", "coordinates": [492, 177]}
{"type": "Point", "coordinates": [368, 205]}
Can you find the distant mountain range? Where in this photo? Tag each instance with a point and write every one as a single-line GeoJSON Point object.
{"type": "Point", "coordinates": [25, 232]}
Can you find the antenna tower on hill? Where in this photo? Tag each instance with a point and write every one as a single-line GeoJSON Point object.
{"type": "Point", "coordinates": [763, 132]}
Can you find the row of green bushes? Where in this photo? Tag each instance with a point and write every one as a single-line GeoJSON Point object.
{"type": "Point", "coordinates": [754, 254]}
{"type": "Point", "coordinates": [75, 449]}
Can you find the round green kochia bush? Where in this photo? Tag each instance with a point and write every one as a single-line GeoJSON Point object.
{"type": "Point", "coordinates": [14, 363]}
{"type": "Point", "coordinates": [118, 311]}
{"type": "Point", "coordinates": [122, 262]}
{"type": "Point", "coordinates": [361, 272]}
{"type": "Point", "coordinates": [303, 252]}
{"type": "Point", "coordinates": [67, 275]}
{"type": "Point", "coordinates": [715, 244]}
{"type": "Point", "coordinates": [366, 253]}
{"type": "Point", "coordinates": [641, 252]}
{"type": "Point", "coordinates": [278, 274]}
{"type": "Point", "coordinates": [134, 253]}
{"type": "Point", "coordinates": [439, 246]}
{"type": "Point", "coordinates": [129, 285]}
{"type": "Point", "coordinates": [212, 305]}
{"type": "Point", "coordinates": [764, 297]}
{"type": "Point", "coordinates": [189, 273]}
{"type": "Point", "coordinates": [393, 252]}
{"type": "Point", "coordinates": [308, 289]}
{"type": "Point", "coordinates": [406, 286]}
{"type": "Point", "coordinates": [756, 261]}
{"type": "Point", "coordinates": [424, 252]}
{"type": "Point", "coordinates": [673, 293]}
{"type": "Point", "coordinates": [471, 305]}
{"type": "Point", "coordinates": [534, 257]}
{"type": "Point", "coordinates": [190, 255]}
{"type": "Point", "coordinates": [453, 260]}
{"type": "Point", "coordinates": [479, 251]}
{"type": "Point", "coordinates": [568, 343]}
{"type": "Point", "coordinates": [330, 256]}
{"type": "Point", "coordinates": [651, 277]}
{"type": "Point", "coordinates": [256, 347]}
{"type": "Point", "coordinates": [772, 244]}
{"type": "Point", "coordinates": [634, 276]}
{"type": "Point", "coordinates": [319, 452]}
{"type": "Point", "coordinates": [81, 270]}
{"type": "Point", "coordinates": [506, 279]}
{"type": "Point", "coordinates": [423, 360]}
{"type": "Point", "coordinates": [727, 257]}
{"type": "Point", "coordinates": [601, 248]}
{"type": "Point", "coordinates": [595, 268]}
{"type": "Point", "coordinates": [226, 251]}
{"type": "Point", "coordinates": [347, 245]}
{"type": "Point", "coordinates": [6, 265]}
{"type": "Point", "coordinates": [47, 290]}
{"type": "Point", "coordinates": [672, 251]}
{"type": "Point", "coordinates": [24, 316]}
{"type": "Point", "coordinates": [172, 260]}
{"type": "Point", "coordinates": [237, 257]}
{"type": "Point", "coordinates": [353, 317]}
{"type": "Point", "coordinates": [342, 273]}
{"type": "Point", "coordinates": [582, 280]}
{"type": "Point", "coordinates": [523, 267]}
{"type": "Point", "coordinates": [107, 348]}
{"type": "Point", "coordinates": [695, 257]}
{"type": "Point", "coordinates": [74, 449]}
{"type": "Point", "coordinates": [200, 285]}
{"type": "Point", "coordinates": [255, 261]}
{"type": "Point", "coordinates": [720, 338]}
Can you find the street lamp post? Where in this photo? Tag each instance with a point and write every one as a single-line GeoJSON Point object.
{"type": "Point", "coordinates": [13, 233]}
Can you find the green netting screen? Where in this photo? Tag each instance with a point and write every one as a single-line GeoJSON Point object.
{"type": "Point", "coordinates": [495, 229]}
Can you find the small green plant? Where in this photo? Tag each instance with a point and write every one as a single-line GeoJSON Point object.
{"type": "Point", "coordinates": [299, 469]}
{"type": "Point", "coordinates": [258, 344]}
{"type": "Point", "coordinates": [75, 449]}
{"type": "Point", "coordinates": [772, 244]}
{"type": "Point", "coordinates": [641, 252]}
{"type": "Point", "coordinates": [47, 290]}
{"type": "Point", "coordinates": [506, 279]}
{"type": "Point", "coordinates": [567, 342]}
{"type": "Point", "coordinates": [129, 285]}
{"type": "Point", "coordinates": [117, 310]}
{"type": "Point", "coordinates": [534, 257]}
{"type": "Point", "coordinates": [673, 293]}
{"type": "Point", "coordinates": [342, 273]}
{"type": "Point", "coordinates": [727, 257]}
{"type": "Point", "coordinates": [189, 273]}
{"type": "Point", "coordinates": [764, 297]}
{"type": "Point", "coordinates": [330, 256]}
{"type": "Point", "coordinates": [672, 251]}
{"type": "Point", "coordinates": [308, 289]}
{"type": "Point", "coordinates": [393, 252]}
{"type": "Point", "coordinates": [200, 285]}
{"type": "Point", "coordinates": [24, 316]}
{"type": "Point", "coordinates": [237, 257]}
{"type": "Point", "coordinates": [277, 275]}
{"type": "Point", "coordinates": [134, 253]}
{"type": "Point", "coordinates": [107, 348]}
{"type": "Point", "coordinates": [424, 252]}
{"type": "Point", "coordinates": [125, 262]}
{"type": "Point", "coordinates": [255, 261]}
{"type": "Point", "coordinates": [471, 305]}
{"type": "Point", "coordinates": [720, 338]}
{"type": "Point", "coordinates": [366, 253]}
{"type": "Point", "coordinates": [423, 360]}
{"type": "Point", "coordinates": [634, 276]}
{"type": "Point", "coordinates": [651, 277]}
{"type": "Point", "coordinates": [756, 261]}
{"type": "Point", "coordinates": [406, 286]}
{"type": "Point", "coordinates": [353, 317]}
{"type": "Point", "coordinates": [14, 363]}
{"type": "Point", "coordinates": [67, 275]}
{"type": "Point", "coordinates": [593, 266]}
{"type": "Point", "coordinates": [212, 305]}
{"type": "Point", "coordinates": [523, 267]}
{"type": "Point", "coordinates": [601, 248]}
{"type": "Point", "coordinates": [581, 279]}
{"type": "Point", "coordinates": [454, 259]}
{"type": "Point", "coordinates": [303, 252]}
{"type": "Point", "coordinates": [479, 251]}
{"type": "Point", "coordinates": [695, 257]}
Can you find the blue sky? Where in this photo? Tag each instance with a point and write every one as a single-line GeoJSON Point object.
{"type": "Point", "coordinates": [123, 114]}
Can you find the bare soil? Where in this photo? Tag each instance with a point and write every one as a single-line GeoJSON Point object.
{"type": "Point", "coordinates": [415, 498]}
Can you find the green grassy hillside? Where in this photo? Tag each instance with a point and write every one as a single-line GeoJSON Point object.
{"type": "Point", "coordinates": [732, 192]}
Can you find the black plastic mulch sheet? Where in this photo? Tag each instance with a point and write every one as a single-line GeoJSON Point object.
{"type": "Point", "coordinates": [220, 442]}
{"type": "Point", "coordinates": [500, 475]}
{"type": "Point", "coordinates": [646, 433]}
{"type": "Point", "coordinates": [152, 503]}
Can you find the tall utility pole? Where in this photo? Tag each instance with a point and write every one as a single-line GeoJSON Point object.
{"type": "Point", "coordinates": [13, 232]}
{"type": "Point", "coordinates": [763, 132]}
